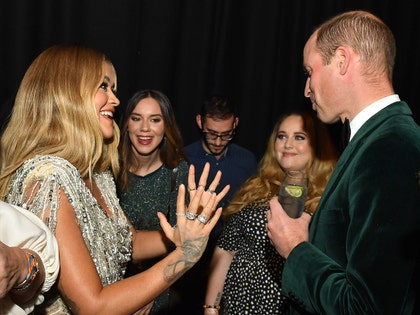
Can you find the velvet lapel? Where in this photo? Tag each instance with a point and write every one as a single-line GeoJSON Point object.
{"type": "Point", "coordinates": [362, 135]}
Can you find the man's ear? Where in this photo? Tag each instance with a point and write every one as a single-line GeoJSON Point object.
{"type": "Point", "coordinates": [236, 122]}
{"type": "Point", "coordinates": [198, 121]}
{"type": "Point", "coordinates": [343, 56]}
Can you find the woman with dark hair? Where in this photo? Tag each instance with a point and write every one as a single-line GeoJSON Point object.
{"type": "Point", "coordinates": [153, 166]}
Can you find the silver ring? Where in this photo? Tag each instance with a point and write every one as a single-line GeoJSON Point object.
{"type": "Point", "coordinates": [202, 218]}
{"type": "Point", "coordinates": [191, 216]}
{"type": "Point", "coordinates": [209, 191]}
{"type": "Point", "coordinates": [191, 189]}
{"type": "Point", "coordinates": [180, 214]}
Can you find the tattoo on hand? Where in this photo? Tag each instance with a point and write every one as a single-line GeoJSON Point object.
{"type": "Point", "coordinates": [192, 250]}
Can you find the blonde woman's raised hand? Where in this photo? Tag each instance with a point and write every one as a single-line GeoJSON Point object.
{"type": "Point", "coordinates": [195, 221]}
{"type": "Point", "coordinates": [192, 186]}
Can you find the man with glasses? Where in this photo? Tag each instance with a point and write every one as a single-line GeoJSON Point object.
{"type": "Point", "coordinates": [217, 121]}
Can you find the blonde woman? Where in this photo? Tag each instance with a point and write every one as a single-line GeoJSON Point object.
{"type": "Point", "coordinates": [59, 166]}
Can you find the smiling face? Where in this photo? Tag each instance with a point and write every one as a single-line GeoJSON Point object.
{"type": "Point", "coordinates": [292, 147]}
{"type": "Point", "coordinates": [106, 101]}
{"type": "Point", "coordinates": [146, 127]}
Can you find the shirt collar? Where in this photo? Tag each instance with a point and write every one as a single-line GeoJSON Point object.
{"type": "Point", "coordinates": [369, 111]}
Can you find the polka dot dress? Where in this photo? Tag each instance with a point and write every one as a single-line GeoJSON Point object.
{"type": "Point", "coordinates": [252, 285]}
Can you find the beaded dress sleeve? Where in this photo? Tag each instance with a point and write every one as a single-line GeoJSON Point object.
{"type": "Point", "coordinates": [36, 187]}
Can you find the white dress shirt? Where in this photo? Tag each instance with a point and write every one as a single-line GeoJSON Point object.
{"type": "Point", "coordinates": [369, 111]}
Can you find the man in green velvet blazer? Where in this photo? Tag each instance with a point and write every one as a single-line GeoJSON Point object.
{"type": "Point", "coordinates": [361, 254]}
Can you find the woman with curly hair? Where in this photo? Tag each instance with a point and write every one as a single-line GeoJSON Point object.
{"type": "Point", "coordinates": [246, 269]}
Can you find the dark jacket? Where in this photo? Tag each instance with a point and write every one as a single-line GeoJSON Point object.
{"type": "Point", "coordinates": [363, 251]}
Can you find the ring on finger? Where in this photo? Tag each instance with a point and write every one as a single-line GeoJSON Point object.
{"type": "Point", "coordinates": [209, 191]}
{"type": "Point", "coordinates": [190, 215]}
{"type": "Point", "coordinates": [191, 189]}
{"type": "Point", "coordinates": [180, 214]}
{"type": "Point", "coordinates": [202, 218]}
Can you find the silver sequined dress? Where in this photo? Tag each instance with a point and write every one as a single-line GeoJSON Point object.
{"type": "Point", "coordinates": [36, 186]}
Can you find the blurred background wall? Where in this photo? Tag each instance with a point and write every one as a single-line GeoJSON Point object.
{"type": "Point", "coordinates": [249, 50]}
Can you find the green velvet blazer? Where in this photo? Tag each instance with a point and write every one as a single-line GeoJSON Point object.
{"type": "Point", "coordinates": [364, 239]}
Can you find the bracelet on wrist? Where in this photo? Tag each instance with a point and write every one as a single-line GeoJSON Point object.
{"type": "Point", "coordinates": [33, 270]}
{"type": "Point", "coordinates": [217, 307]}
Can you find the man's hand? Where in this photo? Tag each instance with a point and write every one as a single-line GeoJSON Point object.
{"type": "Point", "coordinates": [12, 265]}
{"type": "Point", "coordinates": [284, 232]}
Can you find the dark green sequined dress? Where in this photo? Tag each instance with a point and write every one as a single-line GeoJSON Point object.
{"type": "Point", "coordinates": [144, 197]}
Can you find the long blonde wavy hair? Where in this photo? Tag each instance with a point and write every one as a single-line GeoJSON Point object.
{"type": "Point", "coordinates": [54, 113]}
{"type": "Point", "coordinates": [266, 183]}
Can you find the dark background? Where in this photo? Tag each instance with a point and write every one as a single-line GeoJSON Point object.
{"type": "Point", "coordinates": [249, 50]}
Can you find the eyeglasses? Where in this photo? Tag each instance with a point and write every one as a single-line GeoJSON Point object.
{"type": "Point", "coordinates": [226, 136]}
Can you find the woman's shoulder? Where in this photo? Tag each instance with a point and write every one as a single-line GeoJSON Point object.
{"type": "Point", "coordinates": [182, 170]}
{"type": "Point", "coordinates": [42, 166]}
{"type": "Point", "coordinates": [49, 161]}
{"type": "Point", "coordinates": [183, 166]}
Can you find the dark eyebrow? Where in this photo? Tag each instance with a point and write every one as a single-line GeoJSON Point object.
{"type": "Point", "coordinates": [151, 116]}
{"type": "Point", "coordinates": [219, 133]}
{"type": "Point", "coordinates": [295, 133]}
